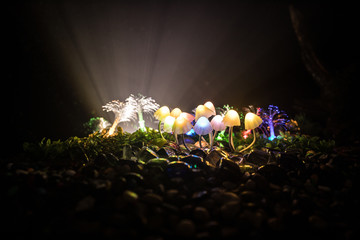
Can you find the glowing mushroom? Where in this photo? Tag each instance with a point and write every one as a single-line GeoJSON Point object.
{"type": "Point", "coordinates": [210, 106]}
{"type": "Point", "coordinates": [252, 121]}
{"type": "Point", "coordinates": [181, 126]}
{"type": "Point", "coordinates": [160, 115]}
{"type": "Point", "coordinates": [187, 116]}
{"type": "Point", "coordinates": [218, 125]}
{"type": "Point", "coordinates": [203, 127]}
{"type": "Point", "coordinates": [203, 111]}
{"type": "Point", "coordinates": [175, 112]}
{"type": "Point", "coordinates": [230, 120]}
{"type": "Point", "coordinates": [168, 124]}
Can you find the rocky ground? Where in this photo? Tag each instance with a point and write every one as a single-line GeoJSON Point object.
{"type": "Point", "coordinates": [164, 195]}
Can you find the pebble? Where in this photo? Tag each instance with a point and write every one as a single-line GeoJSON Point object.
{"type": "Point", "coordinates": [70, 172]}
{"type": "Point", "coordinates": [186, 228]}
{"type": "Point", "coordinates": [85, 204]}
{"type": "Point", "coordinates": [230, 209]}
{"type": "Point", "coordinates": [201, 214]}
{"type": "Point", "coordinates": [152, 198]}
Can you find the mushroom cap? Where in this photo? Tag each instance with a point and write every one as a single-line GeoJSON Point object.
{"type": "Point", "coordinates": [181, 125]}
{"type": "Point", "coordinates": [168, 124]}
{"type": "Point", "coordinates": [252, 121]}
{"type": "Point", "coordinates": [202, 126]}
{"type": "Point", "coordinates": [162, 113]}
{"type": "Point", "coordinates": [202, 111]}
{"type": "Point", "coordinates": [217, 123]}
{"type": "Point", "coordinates": [210, 106]}
{"type": "Point", "coordinates": [187, 116]}
{"type": "Point", "coordinates": [176, 112]}
{"type": "Point", "coordinates": [231, 118]}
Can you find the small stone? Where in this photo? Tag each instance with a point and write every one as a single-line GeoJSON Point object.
{"type": "Point", "coordinates": [201, 214]}
{"type": "Point", "coordinates": [229, 185]}
{"type": "Point", "coordinates": [85, 203]}
{"type": "Point", "coordinates": [273, 174]}
{"type": "Point", "coordinates": [158, 163]}
{"type": "Point", "coordinates": [178, 169]}
{"type": "Point", "coordinates": [247, 168]}
{"type": "Point", "coordinates": [317, 222]}
{"type": "Point", "coordinates": [214, 157]}
{"type": "Point", "coordinates": [152, 198]}
{"type": "Point", "coordinates": [185, 228]}
{"type": "Point", "coordinates": [198, 152]}
{"type": "Point", "coordinates": [70, 172]}
{"type": "Point", "coordinates": [250, 184]}
{"type": "Point", "coordinates": [194, 161]}
{"type": "Point", "coordinates": [166, 152]}
{"type": "Point", "coordinates": [229, 232]}
{"type": "Point", "coordinates": [290, 162]}
{"type": "Point", "coordinates": [258, 157]}
{"type": "Point", "coordinates": [230, 209]}
{"type": "Point", "coordinates": [229, 197]}
{"type": "Point", "coordinates": [134, 179]}
{"type": "Point", "coordinates": [229, 169]}
{"type": "Point", "coordinates": [130, 196]}
{"type": "Point", "coordinates": [275, 224]}
{"type": "Point", "coordinates": [146, 154]}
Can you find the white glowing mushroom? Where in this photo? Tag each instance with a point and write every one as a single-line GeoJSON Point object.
{"type": "Point", "coordinates": [230, 120]}
{"type": "Point", "coordinates": [203, 127]}
{"type": "Point", "coordinates": [160, 115]}
{"type": "Point", "coordinates": [168, 124]}
{"type": "Point", "coordinates": [252, 121]}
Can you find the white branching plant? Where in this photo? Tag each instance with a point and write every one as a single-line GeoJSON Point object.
{"type": "Point", "coordinates": [142, 104]}
{"type": "Point", "coordinates": [124, 112]}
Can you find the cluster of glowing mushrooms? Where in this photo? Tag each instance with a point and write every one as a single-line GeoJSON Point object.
{"type": "Point", "coordinates": [179, 123]}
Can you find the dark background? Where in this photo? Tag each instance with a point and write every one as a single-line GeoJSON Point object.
{"type": "Point", "coordinates": [64, 60]}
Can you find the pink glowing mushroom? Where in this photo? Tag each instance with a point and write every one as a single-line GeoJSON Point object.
{"type": "Point", "coordinates": [218, 125]}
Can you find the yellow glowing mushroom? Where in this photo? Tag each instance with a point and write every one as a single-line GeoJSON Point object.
{"type": "Point", "coordinates": [175, 112]}
{"type": "Point", "coordinates": [160, 115]}
{"type": "Point", "coordinates": [203, 127]}
{"type": "Point", "coordinates": [252, 121]}
{"type": "Point", "coordinates": [210, 106]}
{"type": "Point", "coordinates": [181, 126]}
{"type": "Point", "coordinates": [230, 120]}
{"type": "Point", "coordinates": [203, 111]}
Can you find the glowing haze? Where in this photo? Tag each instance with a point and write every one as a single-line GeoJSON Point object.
{"type": "Point", "coordinates": [179, 53]}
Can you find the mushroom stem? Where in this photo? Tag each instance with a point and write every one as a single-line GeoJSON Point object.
{"type": "Point", "coordinates": [183, 140]}
{"type": "Point", "coordinates": [160, 130]}
{"type": "Point", "coordinates": [176, 139]}
{"type": "Point", "coordinates": [252, 143]}
{"type": "Point", "coordinates": [200, 141]}
{"type": "Point", "coordinates": [231, 142]}
{"type": "Point", "coordinates": [211, 139]}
